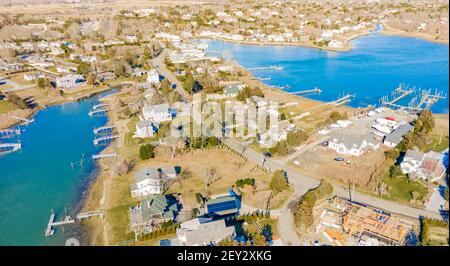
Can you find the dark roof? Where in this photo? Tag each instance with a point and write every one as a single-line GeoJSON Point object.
{"type": "Point", "coordinates": [222, 206]}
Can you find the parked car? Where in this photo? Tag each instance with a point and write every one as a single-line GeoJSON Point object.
{"type": "Point", "coordinates": [339, 159]}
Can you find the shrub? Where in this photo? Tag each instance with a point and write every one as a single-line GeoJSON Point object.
{"type": "Point", "coordinates": [278, 182]}
{"type": "Point", "coordinates": [147, 151]}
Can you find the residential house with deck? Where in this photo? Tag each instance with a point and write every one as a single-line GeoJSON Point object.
{"type": "Point", "coordinates": [396, 136]}
{"type": "Point", "coordinates": [425, 166]}
{"type": "Point", "coordinates": [157, 113]}
{"type": "Point", "coordinates": [349, 144]}
{"type": "Point", "coordinates": [70, 81]}
{"type": "Point", "coordinates": [201, 232]}
{"type": "Point", "coordinates": [152, 212]}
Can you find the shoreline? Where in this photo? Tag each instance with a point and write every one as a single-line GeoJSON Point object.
{"type": "Point", "coordinates": [388, 31]}
{"type": "Point", "coordinates": [34, 111]}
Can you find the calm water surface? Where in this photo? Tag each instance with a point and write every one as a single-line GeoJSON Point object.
{"type": "Point", "coordinates": [40, 176]}
{"type": "Point", "coordinates": [376, 66]}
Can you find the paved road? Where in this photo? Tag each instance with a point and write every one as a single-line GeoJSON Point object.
{"type": "Point", "coordinates": [15, 86]}
{"type": "Point", "coordinates": [303, 183]}
{"type": "Point", "coordinates": [158, 63]}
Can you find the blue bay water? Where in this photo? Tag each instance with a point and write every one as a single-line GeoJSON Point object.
{"type": "Point", "coordinates": [373, 68]}
{"type": "Point", "coordinates": [40, 177]}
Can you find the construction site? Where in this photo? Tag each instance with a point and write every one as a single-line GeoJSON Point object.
{"type": "Point", "coordinates": [339, 222]}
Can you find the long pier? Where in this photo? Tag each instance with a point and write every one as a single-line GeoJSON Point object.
{"type": "Point", "coordinates": [10, 147]}
{"type": "Point", "coordinates": [103, 129]}
{"type": "Point", "coordinates": [8, 133]}
{"type": "Point", "coordinates": [98, 111]}
{"type": "Point", "coordinates": [107, 138]}
{"type": "Point", "coordinates": [311, 91]}
{"type": "Point", "coordinates": [343, 100]}
{"type": "Point", "coordinates": [100, 105]}
{"type": "Point", "coordinates": [263, 78]}
{"type": "Point", "coordinates": [69, 220]}
{"type": "Point", "coordinates": [24, 120]}
{"type": "Point", "coordinates": [104, 155]}
{"type": "Point", "coordinates": [266, 68]}
{"type": "Point", "coordinates": [426, 98]}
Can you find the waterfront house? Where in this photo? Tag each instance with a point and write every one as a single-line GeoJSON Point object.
{"type": "Point", "coordinates": [153, 77]}
{"type": "Point", "coordinates": [411, 161]}
{"type": "Point", "coordinates": [425, 166]}
{"type": "Point", "coordinates": [70, 81]}
{"type": "Point", "coordinates": [395, 137]}
{"type": "Point", "coordinates": [145, 129]}
{"type": "Point", "coordinates": [348, 144]}
{"type": "Point", "coordinates": [149, 181]}
{"type": "Point", "coordinates": [222, 205]}
{"type": "Point", "coordinates": [104, 76]}
{"type": "Point", "coordinates": [202, 231]}
{"type": "Point", "coordinates": [157, 113]}
{"type": "Point", "coordinates": [33, 76]}
{"type": "Point", "coordinates": [153, 211]}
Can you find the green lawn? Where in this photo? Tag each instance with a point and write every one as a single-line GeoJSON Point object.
{"type": "Point", "coordinates": [434, 145]}
{"type": "Point", "coordinates": [401, 188]}
{"type": "Point", "coordinates": [6, 106]}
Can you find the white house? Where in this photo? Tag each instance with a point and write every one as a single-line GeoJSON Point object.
{"type": "Point", "coordinates": [425, 166]}
{"type": "Point", "coordinates": [70, 81]}
{"type": "Point", "coordinates": [145, 129]}
{"type": "Point", "coordinates": [148, 182]}
{"type": "Point", "coordinates": [202, 231]}
{"type": "Point", "coordinates": [347, 144]}
{"type": "Point", "coordinates": [157, 113]}
{"type": "Point", "coordinates": [411, 161]}
{"type": "Point", "coordinates": [153, 76]}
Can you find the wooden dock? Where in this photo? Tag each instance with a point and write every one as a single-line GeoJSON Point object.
{"type": "Point", "coordinates": [303, 92]}
{"type": "Point", "coordinates": [343, 100]}
{"type": "Point", "coordinates": [102, 156]}
{"type": "Point", "coordinates": [266, 68]}
{"type": "Point", "coordinates": [8, 133]}
{"type": "Point", "coordinates": [98, 112]}
{"type": "Point", "coordinates": [105, 139]}
{"type": "Point", "coordinates": [100, 105]}
{"type": "Point", "coordinates": [99, 130]}
{"type": "Point", "coordinates": [10, 147]}
{"type": "Point", "coordinates": [24, 120]}
{"type": "Point", "coordinates": [69, 220]}
{"type": "Point", "coordinates": [50, 231]}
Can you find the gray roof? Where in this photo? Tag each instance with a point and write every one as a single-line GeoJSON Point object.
{"type": "Point", "coordinates": [159, 108]}
{"type": "Point", "coordinates": [414, 154]}
{"type": "Point", "coordinates": [152, 173]}
{"type": "Point", "coordinates": [397, 135]}
{"type": "Point", "coordinates": [209, 232]}
{"type": "Point", "coordinates": [349, 140]}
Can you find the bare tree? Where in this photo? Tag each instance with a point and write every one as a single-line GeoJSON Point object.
{"type": "Point", "coordinates": [211, 176]}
